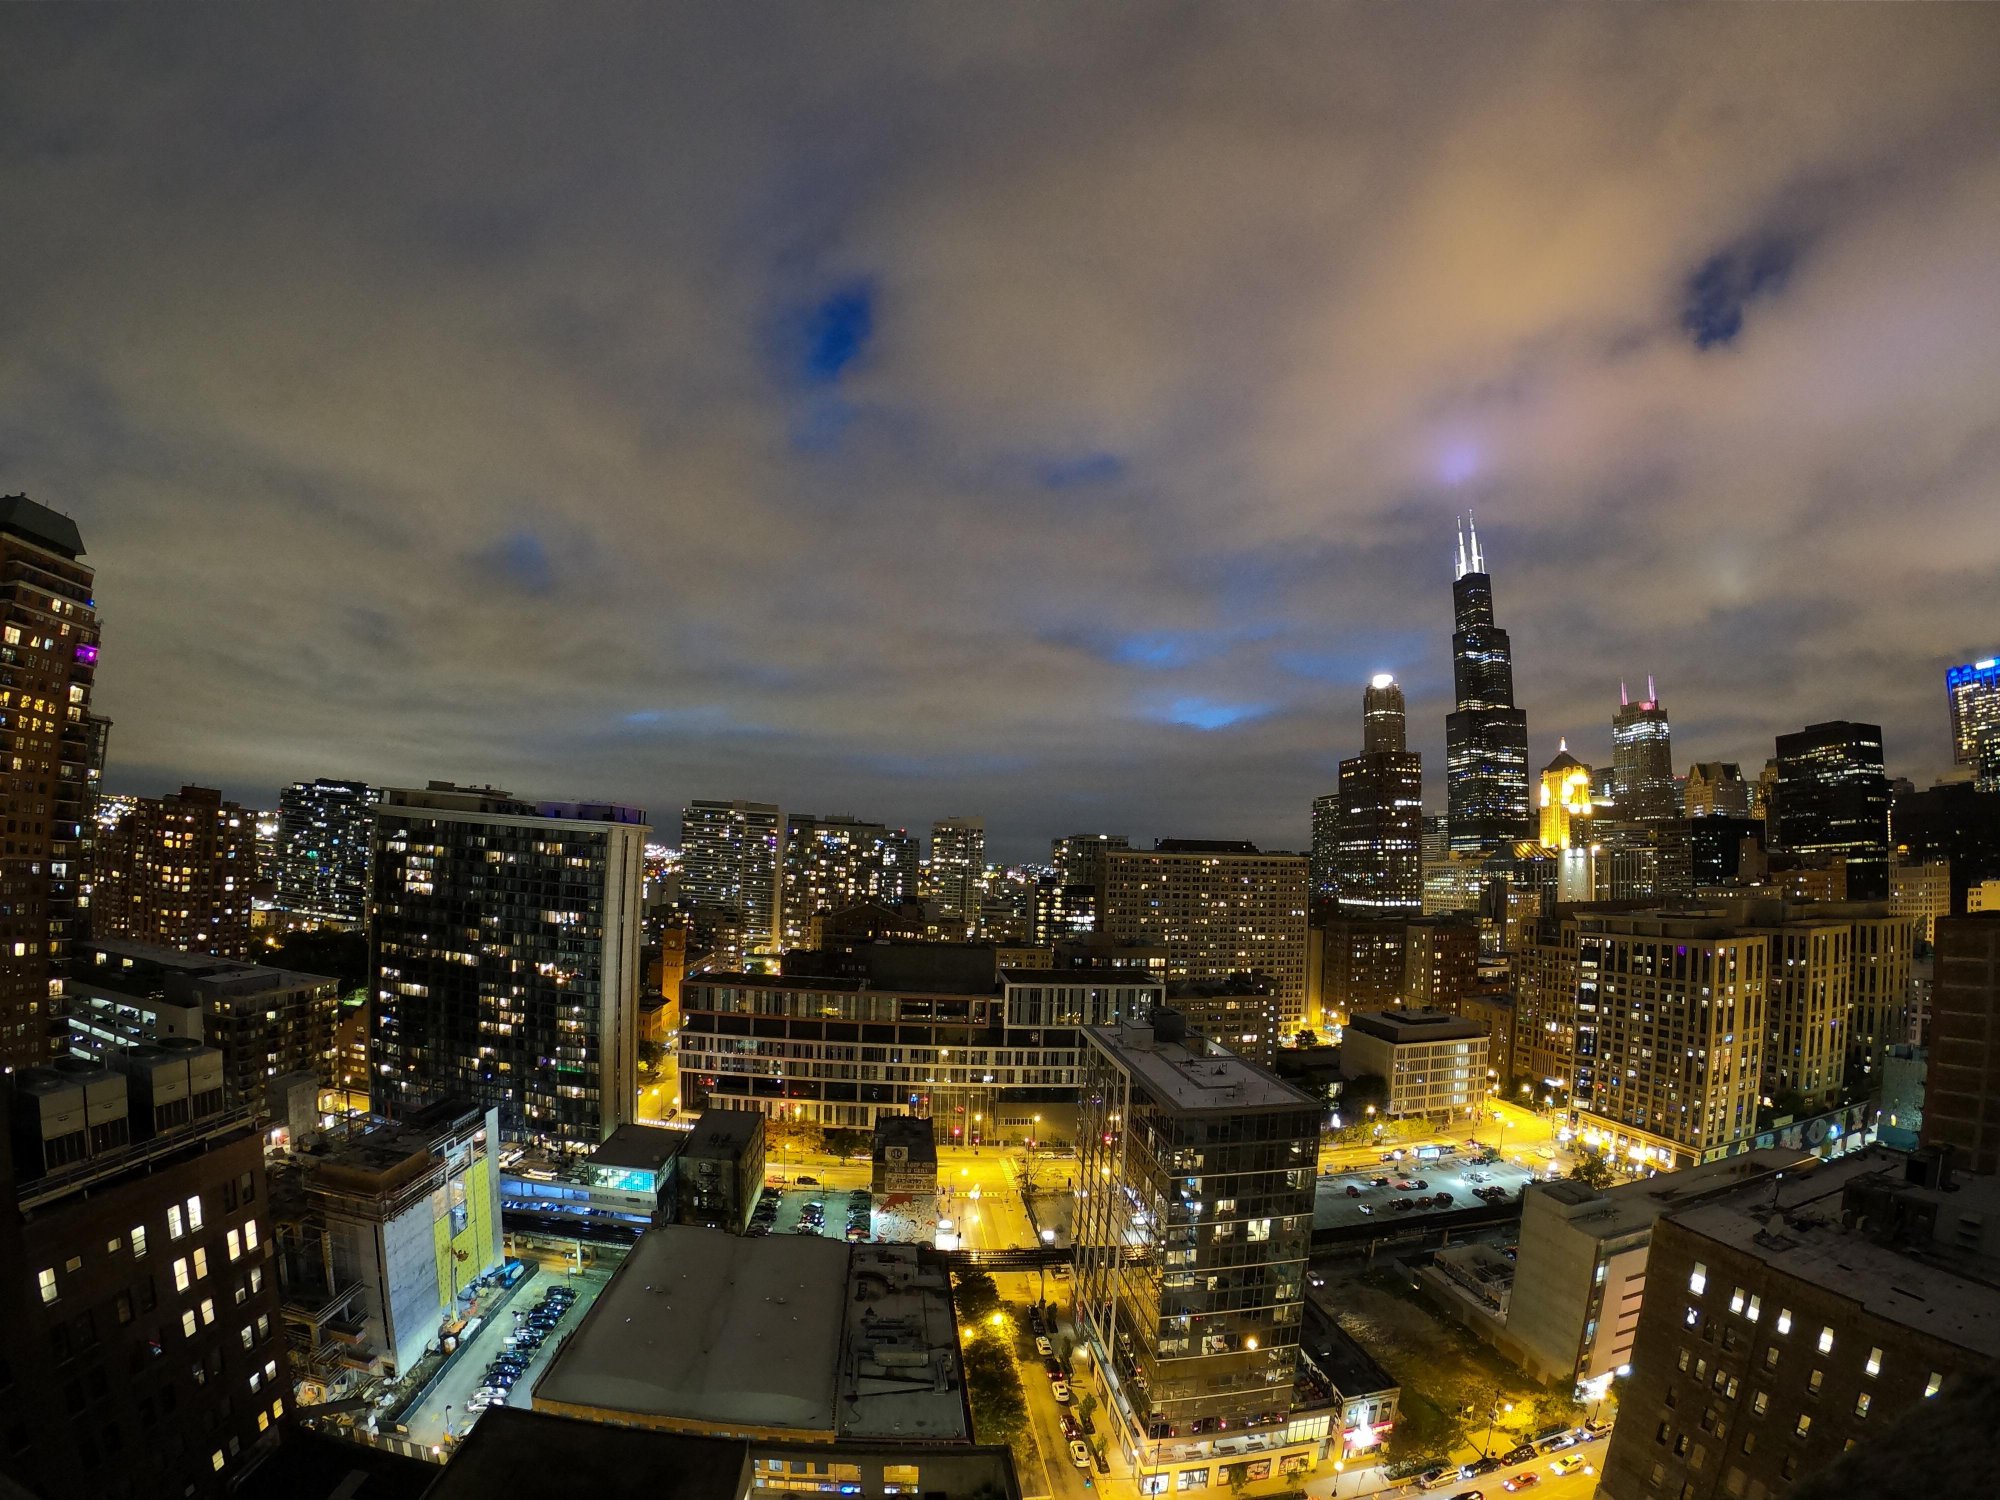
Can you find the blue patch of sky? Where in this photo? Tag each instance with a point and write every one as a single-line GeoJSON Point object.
{"type": "Point", "coordinates": [1209, 713]}
{"type": "Point", "coordinates": [519, 560]}
{"type": "Point", "coordinates": [835, 332]}
{"type": "Point", "coordinates": [1724, 285]}
{"type": "Point", "coordinates": [1078, 470]}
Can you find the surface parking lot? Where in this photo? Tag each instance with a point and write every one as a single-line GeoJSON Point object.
{"type": "Point", "coordinates": [1374, 1206]}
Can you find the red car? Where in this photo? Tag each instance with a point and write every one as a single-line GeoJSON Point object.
{"type": "Point", "coordinates": [1521, 1482]}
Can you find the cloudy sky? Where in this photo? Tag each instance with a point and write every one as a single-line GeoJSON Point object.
{"type": "Point", "coordinates": [1050, 413]}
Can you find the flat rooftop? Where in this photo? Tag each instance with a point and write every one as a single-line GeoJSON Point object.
{"type": "Point", "coordinates": [1610, 1213]}
{"type": "Point", "coordinates": [1953, 1298]}
{"type": "Point", "coordinates": [708, 1329]}
{"type": "Point", "coordinates": [1193, 1075]}
{"type": "Point", "coordinates": [646, 1147]}
{"type": "Point", "coordinates": [1343, 1361]}
{"type": "Point", "coordinates": [1408, 1026]}
{"type": "Point", "coordinates": [788, 1333]}
{"type": "Point", "coordinates": [528, 1455]}
{"type": "Point", "coordinates": [724, 1132]}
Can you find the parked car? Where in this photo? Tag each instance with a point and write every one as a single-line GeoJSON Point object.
{"type": "Point", "coordinates": [1053, 1367]}
{"type": "Point", "coordinates": [1368, 1208]}
{"type": "Point", "coordinates": [1420, 1184]}
{"type": "Point", "coordinates": [1381, 1182]}
{"type": "Point", "coordinates": [1430, 1479]}
{"type": "Point", "coordinates": [1079, 1453]}
{"type": "Point", "coordinates": [1557, 1443]}
{"type": "Point", "coordinates": [1481, 1466]}
{"type": "Point", "coordinates": [1470, 1495]}
{"type": "Point", "coordinates": [1070, 1426]}
{"type": "Point", "coordinates": [1403, 1205]}
{"type": "Point", "coordinates": [1596, 1427]}
{"type": "Point", "coordinates": [1060, 1390]}
{"type": "Point", "coordinates": [1521, 1455]}
{"type": "Point", "coordinates": [1353, 1191]}
{"type": "Point", "coordinates": [1043, 1347]}
{"type": "Point", "coordinates": [1313, 1278]}
{"type": "Point", "coordinates": [805, 1181]}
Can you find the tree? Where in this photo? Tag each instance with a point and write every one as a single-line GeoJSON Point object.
{"type": "Point", "coordinates": [1593, 1170]}
{"type": "Point", "coordinates": [1358, 1093]}
{"type": "Point", "coordinates": [1086, 1406]}
{"type": "Point", "coordinates": [978, 1298]}
{"type": "Point", "coordinates": [993, 1390]}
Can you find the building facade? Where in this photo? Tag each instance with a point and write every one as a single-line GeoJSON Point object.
{"type": "Point", "coordinates": [504, 955]}
{"type": "Point", "coordinates": [1974, 694]}
{"type": "Point", "coordinates": [1833, 802]}
{"type": "Point", "coordinates": [958, 871]}
{"type": "Point", "coordinates": [831, 863]}
{"type": "Point", "coordinates": [144, 1359]}
{"type": "Point", "coordinates": [48, 659]}
{"type": "Point", "coordinates": [178, 871]}
{"type": "Point", "coordinates": [1193, 1223]}
{"type": "Point", "coordinates": [325, 829]}
{"type": "Point", "coordinates": [1220, 909]}
{"type": "Point", "coordinates": [1716, 788]}
{"type": "Point", "coordinates": [1642, 759]}
{"type": "Point", "coordinates": [1962, 1092]}
{"type": "Point", "coordinates": [1486, 736]}
{"type": "Point", "coordinates": [1433, 1062]}
{"type": "Point", "coordinates": [1378, 856]}
{"type": "Point", "coordinates": [732, 859]}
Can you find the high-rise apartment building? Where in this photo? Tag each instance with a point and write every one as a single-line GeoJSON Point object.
{"type": "Point", "coordinates": [830, 863]}
{"type": "Point", "coordinates": [902, 868]}
{"type": "Point", "coordinates": [1193, 1223]}
{"type": "Point", "coordinates": [1378, 863]}
{"type": "Point", "coordinates": [1079, 858]}
{"type": "Point", "coordinates": [1324, 869]}
{"type": "Point", "coordinates": [1486, 736]}
{"type": "Point", "coordinates": [1440, 962]}
{"type": "Point", "coordinates": [178, 871]}
{"type": "Point", "coordinates": [1362, 964]}
{"type": "Point", "coordinates": [324, 832]}
{"type": "Point", "coordinates": [1220, 909]}
{"type": "Point", "coordinates": [1642, 759]}
{"type": "Point", "coordinates": [1716, 789]}
{"type": "Point", "coordinates": [1833, 802]}
{"type": "Point", "coordinates": [1974, 691]}
{"type": "Point", "coordinates": [1786, 1322]}
{"type": "Point", "coordinates": [144, 1358]}
{"type": "Point", "coordinates": [1670, 1015]}
{"type": "Point", "coordinates": [48, 657]}
{"type": "Point", "coordinates": [958, 869]}
{"type": "Point", "coordinates": [1962, 1091]}
{"type": "Point", "coordinates": [732, 860]}
{"type": "Point", "coordinates": [1921, 890]}
{"type": "Point", "coordinates": [504, 958]}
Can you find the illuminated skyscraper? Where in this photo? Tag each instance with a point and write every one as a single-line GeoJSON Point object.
{"type": "Point", "coordinates": [1833, 802]}
{"type": "Point", "coordinates": [830, 863]}
{"type": "Point", "coordinates": [958, 867]}
{"type": "Point", "coordinates": [177, 871]}
{"type": "Point", "coordinates": [1486, 738]}
{"type": "Point", "coordinates": [49, 656]}
{"type": "Point", "coordinates": [324, 830]}
{"type": "Point", "coordinates": [1565, 799]}
{"type": "Point", "coordinates": [732, 860]}
{"type": "Point", "coordinates": [1716, 789]}
{"type": "Point", "coordinates": [1326, 844]}
{"type": "Point", "coordinates": [1378, 853]}
{"type": "Point", "coordinates": [1974, 690]}
{"type": "Point", "coordinates": [1642, 759]}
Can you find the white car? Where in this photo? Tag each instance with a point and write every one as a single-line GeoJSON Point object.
{"type": "Point", "coordinates": [1078, 1453]}
{"type": "Point", "coordinates": [1043, 1347]}
{"type": "Point", "coordinates": [1060, 1390]}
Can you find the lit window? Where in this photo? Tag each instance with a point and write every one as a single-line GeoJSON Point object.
{"type": "Point", "coordinates": [1736, 1300]}
{"type": "Point", "coordinates": [1755, 1309]}
{"type": "Point", "coordinates": [215, 1458]}
{"type": "Point", "coordinates": [194, 1211]}
{"type": "Point", "coordinates": [181, 1274]}
{"type": "Point", "coordinates": [200, 1263]}
{"type": "Point", "coordinates": [1875, 1361]}
{"type": "Point", "coordinates": [245, 1336]}
{"type": "Point", "coordinates": [278, 1407]}
{"type": "Point", "coordinates": [138, 1238]}
{"type": "Point", "coordinates": [1826, 1340]}
{"type": "Point", "coordinates": [250, 1234]}
{"type": "Point", "coordinates": [1784, 1320]}
{"type": "Point", "coordinates": [1933, 1385]}
{"type": "Point", "coordinates": [47, 1281]}
{"type": "Point", "coordinates": [187, 1323]}
{"type": "Point", "coordinates": [176, 1227]}
{"type": "Point", "coordinates": [1693, 1316]}
{"type": "Point", "coordinates": [208, 1310]}
{"type": "Point", "coordinates": [235, 1242]}
{"type": "Point", "coordinates": [1861, 1404]}
{"type": "Point", "coordinates": [1804, 1427]}
{"type": "Point", "coordinates": [256, 1278]}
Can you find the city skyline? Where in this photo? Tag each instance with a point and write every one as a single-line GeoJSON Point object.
{"type": "Point", "coordinates": [1056, 424]}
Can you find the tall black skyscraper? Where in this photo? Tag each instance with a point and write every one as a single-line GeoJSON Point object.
{"type": "Point", "coordinates": [1377, 863]}
{"type": "Point", "coordinates": [1642, 759]}
{"type": "Point", "coordinates": [1486, 739]}
{"type": "Point", "coordinates": [1833, 801]}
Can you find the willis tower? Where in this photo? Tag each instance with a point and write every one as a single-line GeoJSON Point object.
{"type": "Point", "coordinates": [1486, 739]}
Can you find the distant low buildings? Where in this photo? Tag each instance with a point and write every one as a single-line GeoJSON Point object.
{"type": "Point", "coordinates": [1433, 1062]}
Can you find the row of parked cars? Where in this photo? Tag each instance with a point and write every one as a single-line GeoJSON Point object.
{"type": "Point", "coordinates": [812, 1218]}
{"type": "Point", "coordinates": [1528, 1452]}
{"type": "Point", "coordinates": [534, 1329]}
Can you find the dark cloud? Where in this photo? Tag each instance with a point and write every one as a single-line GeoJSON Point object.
{"type": "Point", "coordinates": [914, 412]}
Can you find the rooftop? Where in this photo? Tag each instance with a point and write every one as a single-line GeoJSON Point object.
{"type": "Point", "coordinates": [641, 1146]}
{"type": "Point", "coordinates": [528, 1455]}
{"type": "Point", "coordinates": [1194, 1075]}
{"type": "Point", "coordinates": [701, 1327]}
{"type": "Point", "coordinates": [1610, 1213]}
{"type": "Point", "coordinates": [899, 1370]}
{"type": "Point", "coordinates": [35, 521]}
{"type": "Point", "coordinates": [724, 1132]}
{"type": "Point", "coordinates": [1799, 1231]}
{"type": "Point", "coordinates": [1415, 1026]}
{"type": "Point", "coordinates": [1339, 1357]}
{"type": "Point", "coordinates": [122, 962]}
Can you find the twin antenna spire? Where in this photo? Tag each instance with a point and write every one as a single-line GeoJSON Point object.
{"type": "Point", "coordinates": [1469, 558]}
{"type": "Point", "coordinates": [1651, 695]}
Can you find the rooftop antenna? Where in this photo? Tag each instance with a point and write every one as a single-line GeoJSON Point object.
{"type": "Point", "coordinates": [1472, 529]}
{"type": "Point", "coordinates": [1623, 701]}
{"type": "Point", "coordinates": [1651, 696]}
{"type": "Point", "coordinates": [1462, 569]}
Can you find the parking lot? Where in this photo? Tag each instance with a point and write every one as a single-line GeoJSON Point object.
{"type": "Point", "coordinates": [451, 1399]}
{"type": "Point", "coordinates": [782, 1211]}
{"type": "Point", "coordinates": [1374, 1203]}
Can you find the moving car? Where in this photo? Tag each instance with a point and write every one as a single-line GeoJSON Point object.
{"type": "Point", "coordinates": [1043, 1347]}
{"type": "Point", "coordinates": [1079, 1454]}
{"type": "Point", "coordinates": [1060, 1390]}
{"type": "Point", "coordinates": [805, 1181]}
{"type": "Point", "coordinates": [1070, 1427]}
{"type": "Point", "coordinates": [1470, 1495]}
{"type": "Point", "coordinates": [1568, 1465]}
{"type": "Point", "coordinates": [1526, 1480]}
{"type": "Point", "coordinates": [1313, 1278]}
{"type": "Point", "coordinates": [1557, 1443]}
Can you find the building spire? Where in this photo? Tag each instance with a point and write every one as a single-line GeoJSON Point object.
{"type": "Point", "coordinates": [1472, 530]}
{"type": "Point", "coordinates": [1462, 569]}
{"type": "Point", "coordinates": [1623, 701]}
{"type": "Point", "coordinates": [1651, 696]}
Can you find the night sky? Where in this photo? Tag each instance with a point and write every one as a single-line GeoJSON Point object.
{"type": "Point", "coordinates": [1049, 413]}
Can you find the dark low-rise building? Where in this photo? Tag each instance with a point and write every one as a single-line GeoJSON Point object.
{"type": "Point", "coordinates": [904, 1156]}
{"type": "Point", "coordinates": [720, 1171]}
